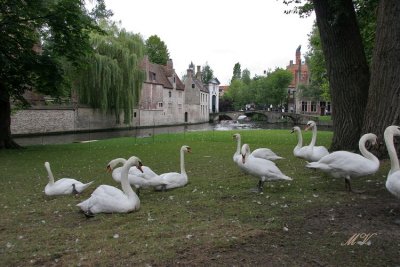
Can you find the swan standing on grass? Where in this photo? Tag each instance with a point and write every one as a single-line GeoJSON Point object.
{"type": "Point", "coordinates": [310, 152]}
{"type": "Point", "coordinates": [393, 178]}
{"type": "Point", "coordinates": [316, 152]}
{"type": "Point", "coordinates": [109, 199]}
{"type": "Point", "coordinates": [140, 180]}
{"type": "Point", "coordinates": [175, 179]}
{"type": "Point", "coordinates": [344, 164]}
{"type": "Point", "coordinates": [299, 150]}
{"type": "Point", "coordinates": [266, 170]}
{"type": "Point", "coordinates": [63, 186]}
{"type": "Point", "coordinates": [264, 153]}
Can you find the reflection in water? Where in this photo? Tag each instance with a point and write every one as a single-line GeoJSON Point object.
{"type": "Point", "coordinates": [146, 132]}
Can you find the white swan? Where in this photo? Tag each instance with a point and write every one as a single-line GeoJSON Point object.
{"type": "Point", "coordinates": [266, 170]}
{"type": "Point", "coordinates": [299, 150]}
{"type": "Point", "coordinates": [393, 178]}
{"type": "Point", "coordinates": [264, 153]}
{"type": "Point", "coordinates": [140, 180]}
{"type": "Point", "coordinates": [316, 152]}
{"type": "Point", "coordinates": [310, 152]}
{"type": "Point", "coordinates": [63, 186]}
{"type": "Point", "coordinates": [175, 179]}
{"type": "Point", "coordinates": [344, 164]}
{"type": "Point", "coordinates": [109, 199]}
{"type": "Point", "coordinates": [116, 172]}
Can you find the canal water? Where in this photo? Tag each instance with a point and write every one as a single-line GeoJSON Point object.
{"type": "Point", "coordinates": [146, 132]}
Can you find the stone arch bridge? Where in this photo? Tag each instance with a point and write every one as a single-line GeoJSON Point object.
{"type": "Point", "coordinates": [270, 116]}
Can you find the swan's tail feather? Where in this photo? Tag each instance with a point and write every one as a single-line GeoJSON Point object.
{"type": "Point", "coordinates": [287, 178]}
{"type": "Point", "coordinates": [81, 187]}
{"type": "Point", "coordinates": [312, 165]}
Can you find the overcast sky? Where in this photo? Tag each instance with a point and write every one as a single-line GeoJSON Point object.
{"type": "Point", "coordinates": [255, 33]}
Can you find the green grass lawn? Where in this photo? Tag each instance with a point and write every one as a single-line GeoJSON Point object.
{"type": "Point", "coordinates": [213, 220]}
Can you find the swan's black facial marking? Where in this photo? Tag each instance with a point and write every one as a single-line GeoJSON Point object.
{"type": "Point", "coordinates": [74, 191]}
{"type": "Point", "coordinates": [139, 166]}
{"type": "Point", "coordinates": [108, 169]}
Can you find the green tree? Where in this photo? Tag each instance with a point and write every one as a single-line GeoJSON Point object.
{"type": "Point", "coordinates": [36, 36]}
{"type": "Point", "coordinates": [157, 50]}
{"type": "Point", "coordinates": [246, 76]}
{"type": "Point", "coordinates": [278, 82]}
{"type": "Point", "coordinates": [237, 72]}
{"type": "Point", "coordinates": [319, 85]}
{"type": "Point", "coordinates": [112, 79]}
{"type": "Point", "coordinates": [236, 94]}
{"type": "Point", "coordinates": [207, 74]}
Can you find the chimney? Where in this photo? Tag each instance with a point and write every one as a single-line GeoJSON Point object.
{"type": "Point", "coordinates": [291, 63]}
{"type": "Point", "coordinates": [170, 64]}
{"type": "Point", "coordinates": [198, 73]}
{"type": "Point", "coordinates": [298, 55]}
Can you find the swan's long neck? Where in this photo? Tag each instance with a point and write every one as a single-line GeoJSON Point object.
{"type": "Point", "coordinates": [238, 145]}
{"type": "Point", "coordinates": [183, 171]}
{"type": "Point", "coordinates": [299, 139]}
{"type": "Point", "coordinates": [364, 150]}
{"type": "Point", "coordinates": [50, 174]}
{"type": "Point", "coordinates": [126, 187]}
{"type": "Point", "coordinates": [314, 136]}
{"type": "Point", "coordinates": [394, 161]}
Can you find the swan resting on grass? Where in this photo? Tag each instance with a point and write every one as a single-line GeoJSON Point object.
{"type": "Point", "coordinates": [140, 180]}
{"type": "Point", "coordinates": [266, 170]}
{"type": "Point", "coordinates": [63, 186]}
{"type": "Point", "coordinates": [344, 164]}
{"type": "Point", "coordinates": [176, 179]}
{"type": "Point", "coordinates": [393, 178]}
{"type": "Point", "coordinates": [264, 153]}
{"type": "Point", "coordinates": [109, 199]}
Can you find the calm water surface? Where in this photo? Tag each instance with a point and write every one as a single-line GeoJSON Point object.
{"type": "Point", "coordinates": [145, 132]}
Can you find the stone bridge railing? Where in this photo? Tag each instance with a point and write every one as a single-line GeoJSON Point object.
{"type": "Point", "coordinates": [270, 116]}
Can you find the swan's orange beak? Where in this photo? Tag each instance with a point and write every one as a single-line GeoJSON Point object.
{"type": "Point", "coordinates": [306, 128]}
{"type": "Point", "coordinates": [108, 169]}
{"type": "Point", "coordinates": [139, 167]}
{"type": "Point", "coordinates": [189, 150]}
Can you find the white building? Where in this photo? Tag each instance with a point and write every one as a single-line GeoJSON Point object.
{"type": "Point", "coordinates": [213, 89]}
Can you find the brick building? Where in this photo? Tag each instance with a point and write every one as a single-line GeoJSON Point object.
{"type": "Point", "coordinates": [301, 76]}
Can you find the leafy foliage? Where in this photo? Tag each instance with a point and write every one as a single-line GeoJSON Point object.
{"type": "Point", "coordinates": [237, 72]}
{"type": "Point", "coordinates": [246, 76]}
{"type": "Point", "coordinates": [156, 50]}
{"type": "Point", "coordinates": [112, 79]}
{"type": "Point", "coordinates": [261, 91]}
{"type": "Point", "coordinates": [319, 84]}
{"type": "Point", "coordinates": [36, 35]}
{"type": "Point", "coordinates": [207, 74]}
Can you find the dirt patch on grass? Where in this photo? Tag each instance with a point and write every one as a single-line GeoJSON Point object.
{"type": "Point", "coordinates": [317, 236]}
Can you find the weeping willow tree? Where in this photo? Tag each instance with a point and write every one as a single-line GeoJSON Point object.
{"type": "Point", "coordinates": [112, 79]}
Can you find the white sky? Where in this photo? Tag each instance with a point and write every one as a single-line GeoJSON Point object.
{"type": "Point", "coordinates": [256, 33]}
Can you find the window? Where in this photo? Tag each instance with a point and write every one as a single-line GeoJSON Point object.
{"type": "Point", "coordinates": [160, 104]}
{"type": "Point", "coordinates": [134, 114]}
{"type": "Point", "coordinates": [174, 79]}
{"type": "Point", "coordinates": [152, 76]}
{"type": "Point", "coordinates": [313, 106]}
{"type": "Point", "coordinates": [193, 85]}
{"type": "Point", "coordinates": [303, 106]}
{"type": "Point", "coordinates": [169, 93]}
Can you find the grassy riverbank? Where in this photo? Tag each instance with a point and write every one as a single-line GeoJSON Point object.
{"type": "Point", "coordinates": [213, 220]}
